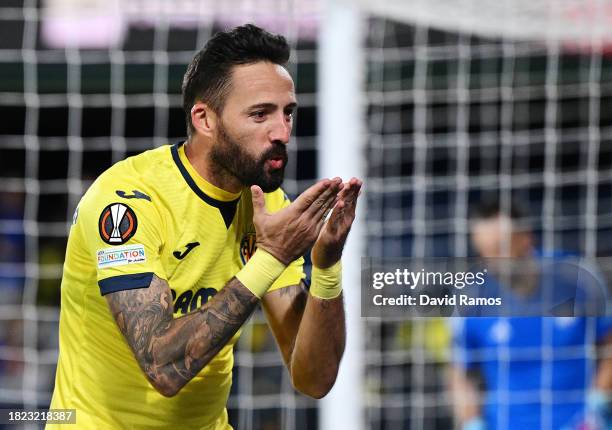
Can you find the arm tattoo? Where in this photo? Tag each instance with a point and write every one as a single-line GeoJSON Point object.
{"type": "Point", "coordinates": [297, 294]}
{"type": "Point", "coordinates": [172, 351]}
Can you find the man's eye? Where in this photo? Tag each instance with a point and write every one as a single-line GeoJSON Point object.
{"type": "Point", "coordinates": [258, 114]}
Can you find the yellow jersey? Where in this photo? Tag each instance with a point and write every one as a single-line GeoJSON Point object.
{"type": "Point", "coordinates": [149, 214]}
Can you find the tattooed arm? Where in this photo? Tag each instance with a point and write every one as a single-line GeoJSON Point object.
{"type": "Point", "coordinates": [310, 333]}
{"type": "Point", "coordinates": [172, 351]}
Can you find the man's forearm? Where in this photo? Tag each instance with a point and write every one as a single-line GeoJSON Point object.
{"type": "Point", "coordinates": [465, 395]}
{"type": "Point", "coordinates": [172, 351]}
{"type": "Point", "coordinates": [319, 345]}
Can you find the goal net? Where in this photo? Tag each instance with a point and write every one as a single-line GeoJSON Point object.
{"type": "Point", "coordinates": [467, 99]}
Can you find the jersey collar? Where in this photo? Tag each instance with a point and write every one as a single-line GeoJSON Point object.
{"type": "Point", "coordinates": [223, 200]}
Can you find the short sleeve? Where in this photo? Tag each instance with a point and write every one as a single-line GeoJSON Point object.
{"type": "Point", "coordinates": [294, 273]}
{"type": "Point", "coordinates": [123, 235]}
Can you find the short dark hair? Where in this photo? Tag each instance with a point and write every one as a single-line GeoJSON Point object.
{"type": "Point", "coordinates": [491, 206]}
{"type": "Point", "coordinates": [208, 76]}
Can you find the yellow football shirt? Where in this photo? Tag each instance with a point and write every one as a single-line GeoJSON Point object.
{"type": "Point", "coordinates": [149, 214]}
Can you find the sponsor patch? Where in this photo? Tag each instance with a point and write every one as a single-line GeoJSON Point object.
{"type": "Point", "coordinates": [111, 257]}
{"type": "Point", "coordinates": [117, 224]}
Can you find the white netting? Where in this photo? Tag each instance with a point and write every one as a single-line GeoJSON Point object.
{"type": "Point", "coordinates": [451, 117]}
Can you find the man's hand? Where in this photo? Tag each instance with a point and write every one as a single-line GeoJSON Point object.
{"type": "Point", "coordinates": [327, 249]}
{"type": "Point", "coordinates": [288, 233]}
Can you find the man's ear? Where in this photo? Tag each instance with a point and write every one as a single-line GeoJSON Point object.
{"type": "Point", "coordinates": [524, 242]}
{"type": "Point", "coordinates": [204, 119]}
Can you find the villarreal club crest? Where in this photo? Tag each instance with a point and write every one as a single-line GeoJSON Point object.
{"type": "Point", "coordinates": [248, 247]}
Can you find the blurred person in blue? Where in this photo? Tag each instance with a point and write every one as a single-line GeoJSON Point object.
{"type": "Point", "coordinates": [533, 372]}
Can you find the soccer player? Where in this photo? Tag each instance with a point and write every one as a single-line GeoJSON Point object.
{"type": "Point", "coordinates": [537, 372]}
{"type": "Point", "coordinates": [171, 250]}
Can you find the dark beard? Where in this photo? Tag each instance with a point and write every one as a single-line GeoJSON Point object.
{"type": "Point", "coordinates": [229, 154]}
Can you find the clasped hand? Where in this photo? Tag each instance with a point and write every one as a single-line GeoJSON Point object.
{"type": "Point", "coordinates": [290, 232]}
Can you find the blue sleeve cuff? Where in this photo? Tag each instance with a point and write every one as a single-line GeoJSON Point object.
{"type": "Point", "coordinates": [125, 282]}
{"type": "Point", "coordinates": [474, 424]}
{"type": "Point", "coordinates": [598, 401]}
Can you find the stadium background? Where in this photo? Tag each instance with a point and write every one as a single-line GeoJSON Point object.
{"type": "Point", "coordinates": [447, 115]}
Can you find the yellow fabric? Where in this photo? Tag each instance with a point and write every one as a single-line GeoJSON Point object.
{"type": "Point", "coordinates": [327, 283]}
{"type": "Point", "coordinates": [97, 373]}
{"type": "Point", "coordinates": [260, 272]}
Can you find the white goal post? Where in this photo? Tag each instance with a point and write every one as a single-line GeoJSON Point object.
{"type": "Point", "coordinates": [340, 139]}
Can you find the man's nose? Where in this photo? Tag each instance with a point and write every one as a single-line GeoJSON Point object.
{"type": "Point", "coordinates": [280, 131]}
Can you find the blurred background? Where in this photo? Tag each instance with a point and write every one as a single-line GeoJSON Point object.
{"type": "Point", "coordinates": [451, 101]}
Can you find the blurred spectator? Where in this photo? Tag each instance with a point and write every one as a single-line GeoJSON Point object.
{"type": "Point", "coordinates": [533, 372]}
{"type": "Point", "coordinates": [12, 248]}
{"type": "Point", "coordinates": [12, 277]}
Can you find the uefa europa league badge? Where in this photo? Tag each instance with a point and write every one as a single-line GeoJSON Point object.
{"type": "Point", "coordinates": [117, 224]}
